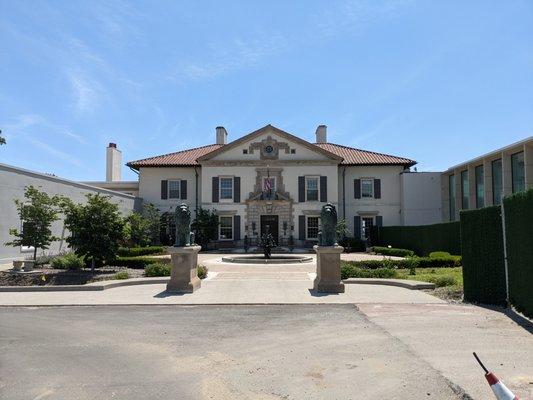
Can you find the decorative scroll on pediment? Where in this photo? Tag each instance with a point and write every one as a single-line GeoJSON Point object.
{"type": "Point", "coordinates": [269, 148]}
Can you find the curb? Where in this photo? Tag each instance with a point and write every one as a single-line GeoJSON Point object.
{"type": "Point", "coordinates": [404, 283]}
{"type": "Point", "coordinates": [94, 286]}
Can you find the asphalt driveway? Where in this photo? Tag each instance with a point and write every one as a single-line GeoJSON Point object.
{"type": "Point", "coordinates": [208, 352]}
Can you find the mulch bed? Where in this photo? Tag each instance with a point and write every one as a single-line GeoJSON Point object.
{"type": "Point", "coordinates": [49, 276]}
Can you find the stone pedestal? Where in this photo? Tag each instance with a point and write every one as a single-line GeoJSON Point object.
{"type": "Point", "coordinates": [328, 269]}
{"type": "Point", "coordinates": [184, 274]}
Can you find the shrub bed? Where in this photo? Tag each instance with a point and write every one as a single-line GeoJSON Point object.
{"type": "Point", "coordinates": [352, 244]}
{"type": "Point", "coordinates": [69, 261]}
{"type": "Point", "coordinates": [352, 271]}
{"type": "Point", "coordinates": [138, 262]}
{"type": "Point", "coordinates": [140, 251]}
{"type": "Point", "coordinates": [121, 275]}
{"type": "Point", "coordinates": [160, 269]}
{"type": "Point", "coordinates": [412, 262]}
{"type": "Point", "coordinates": [392, 251]}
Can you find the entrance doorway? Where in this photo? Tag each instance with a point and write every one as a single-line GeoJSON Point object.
{"type": "Point", "coordinates": [272, 221]}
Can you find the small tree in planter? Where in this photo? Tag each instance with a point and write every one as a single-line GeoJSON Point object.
{"type": "Point", "coordinates": [37, 212]}
{"type": "Point", "coordinates": [137, 231]}
{"type": "Point", "coordinates": [205, 226]}
{"type": "Point", "coordinates": [95, 228]}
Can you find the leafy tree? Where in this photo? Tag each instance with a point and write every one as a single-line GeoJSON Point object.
{"type": "Point", "coordinates": [341, 229]}
{"type": "Point", "coordinates": [151, 213]}
{"type": "Point", "coordinates": [95, 228]}
{"type": "Point", "coordinates": [2, 139]}
{"type": "Point", "coordinates": [37, 212]}
{"type": "Point", "coordinates": [205, 226]}
{"type": "Point", "coordinates": [137, 231]}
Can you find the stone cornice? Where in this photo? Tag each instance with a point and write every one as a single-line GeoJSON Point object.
{"type": "Point", "coordinates": [264, 163]}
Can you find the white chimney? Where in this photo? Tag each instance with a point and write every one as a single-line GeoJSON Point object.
{"type": "Point", "coordinates": [222, 135]}
{"type": "Point", "coordinates": [113, 163]}
{"type": "Point", "coordinates": [321, 134]}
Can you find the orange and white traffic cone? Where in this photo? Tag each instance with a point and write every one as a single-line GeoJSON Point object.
{"type": "Point", "coordinates": [498, 388]}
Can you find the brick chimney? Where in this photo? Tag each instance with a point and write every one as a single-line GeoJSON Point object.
{"type": "Point", "coordinates": [321, 134]}
{"type": "Point", "coordinates": [222, 135]}
{"type": "Point", "coordinates": [113, 163]}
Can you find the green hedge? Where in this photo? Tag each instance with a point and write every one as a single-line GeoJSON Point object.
{"type": "Point", "coordinates": [140, 251]}
{"type": "Point", "coordinates": [482, 252]}
{"type": "Point", "coordinates": [413, 262]}
{"type": "Point", "coordinates": [422, 239]}
{"type": "Point", "coordinates": [137, 262]}
{"type": "Point", "coordinates": [519, 239]}
{"type": "Point", "coordinates": [352, 244]}
{"type": "Point", "coordinates": [351, 271]}
{"type": "Point", "coordinates": [392, 251]}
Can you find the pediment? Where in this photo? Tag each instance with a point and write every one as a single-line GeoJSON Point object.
{"type": "Point", "coordinates": [269, 143]}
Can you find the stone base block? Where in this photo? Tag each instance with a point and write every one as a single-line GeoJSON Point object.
{"type": "Point", "coordinates": [328, 269]}
{"type": "Point", "coordinates": [184, 274]}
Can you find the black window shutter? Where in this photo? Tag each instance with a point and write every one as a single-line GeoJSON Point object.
{"type": "Point", "coordinates": [215, 190]}
{"type": "Point", "coordinates": [237, 189]}
{"type": "Point", "coordinates": [379, 220]}
{"type": "Point", "coordinates": [236, 227]}
{"type": "Point", "coordinates": [357, 227]}
{"type": "Point", "coordinates": [301, 189]}
{"type": "Point", "coordinates": [301, 227]}
{"type": "Point", "coordinates": [164, 190]}
{"type": "Point", "coordinates": [183, 189]}
{"type": "Point", "coordinates": [323, 189]}
{"type": "Point", "coordinates": [357, 188]}
{"type": "Point", "coordinates": [377, 188]}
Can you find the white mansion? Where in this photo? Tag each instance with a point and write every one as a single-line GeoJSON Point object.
{"type": "Point", "coordinates": [273, 178]}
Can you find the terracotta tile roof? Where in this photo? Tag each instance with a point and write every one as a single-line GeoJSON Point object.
{"type": "Point", "coordinates": [353, 156]}
{"type": "Point", "coordinates": [183, 158]}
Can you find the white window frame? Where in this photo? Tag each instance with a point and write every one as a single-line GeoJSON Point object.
{"type": "Point", "coordinates": [317, 187]}
{"type": "Point", "coordinates": [274, 188]}
{"type": "Point", "coordinates": [307, 237]}
{"type": "Point", "coordinates": [220, 199]}
{"type": "Point", "coordinates": [371, 187]}
{"type": "Point", "coordinates": [220, 228]}
{"type": "Point", "coordinates": [179, 189]}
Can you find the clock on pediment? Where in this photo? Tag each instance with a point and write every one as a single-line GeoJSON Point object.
{"type": "Point", "coordinates": [269, 148]}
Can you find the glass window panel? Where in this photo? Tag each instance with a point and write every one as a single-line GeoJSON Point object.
{"type": "Point", "coordinates": [451, 193]}
{"type": "Point", "coordinates": [173, 189]}
{"type": "Point", "coordinates": [368, 222]}
{"type": "Point", "coordinates": [226, 228]}
{"type": "Point", "coordinates": [226, 188]}
{"type": "Point", "coordinates": [464, 190]}
{"type": "Point", "coordinates": [480, 187]}
{"type": "Point", "coordinates": [312, 189]}
{"type": "Point", "coordinates": [497, 186]}
{"type": "Point", "coordinates": [313, 226]}
{"type": "Point", "coordinates": [367, 188]}
{"type": "Point", "coordinates": [518, 172]}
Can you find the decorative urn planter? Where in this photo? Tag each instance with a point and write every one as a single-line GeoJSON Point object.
{"type": "Point", "coordinates": [17, 265]}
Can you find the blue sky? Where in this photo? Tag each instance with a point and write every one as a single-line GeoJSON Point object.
{"type": "Point", "coordinates": [436, 81]}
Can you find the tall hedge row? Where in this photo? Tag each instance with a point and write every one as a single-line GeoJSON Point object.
{"type": "Point", "coordinates": [422, 239]}
{"type": "Point", "coordinates": [483, 260]}
{"type": "Point", "coordinates": [519, 238]}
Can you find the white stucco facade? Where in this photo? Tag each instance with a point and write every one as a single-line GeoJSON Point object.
{"type": "Point", "coordinates": [294, 166]}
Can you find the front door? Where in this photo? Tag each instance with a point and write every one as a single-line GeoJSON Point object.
{"type": "Point", "coordinates": [273, 226]}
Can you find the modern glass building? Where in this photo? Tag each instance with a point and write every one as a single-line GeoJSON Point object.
{"type": "Point", "coordinates": [485, 180]}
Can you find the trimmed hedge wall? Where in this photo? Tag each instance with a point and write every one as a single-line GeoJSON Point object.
{"type": "Point", "coordinates": [482, 251]}
{"type": "Point", "coordinates": [422, 239]}
{"type": "Point", "coordinates": [519, 238]}
{"type": "Point", "coordinates": [394, 252]}
{"type": "Point", "coordinates": [137, 262]}
{"type": "Point", "coordinates": [140, 251]}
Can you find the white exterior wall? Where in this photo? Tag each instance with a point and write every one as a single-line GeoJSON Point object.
{"type": "Point", "coordinates": [13, 182]}
{"type": "Point", "coordinates": [388, 206]}
{"type": "Point", "coordinates": [420, 198]}
{"type": "Point", "coordinates": [150, 186]}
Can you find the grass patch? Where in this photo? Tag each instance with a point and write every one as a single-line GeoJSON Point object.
{"type": "Point", "coordinates": [121, 275]}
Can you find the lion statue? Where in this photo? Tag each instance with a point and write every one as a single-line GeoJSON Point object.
{"type": "Point", "coordinates": [328, 233]}
{"type": "Point", "coordinates": [184, 236]}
